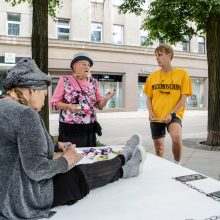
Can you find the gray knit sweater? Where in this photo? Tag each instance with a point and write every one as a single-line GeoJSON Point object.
{"type": "Point", "coordinates": [26, 164]}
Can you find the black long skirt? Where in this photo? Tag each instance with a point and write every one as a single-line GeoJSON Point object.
{"type": "Point", "coordinates": [76, 183]}
{"type": "Point", "coordinates": [82, 135]}
{"type": "Point", "coordinates": [69, 187]}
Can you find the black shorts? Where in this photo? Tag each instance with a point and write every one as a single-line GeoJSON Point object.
{"type": "Point", "coordinates": [158, 130]}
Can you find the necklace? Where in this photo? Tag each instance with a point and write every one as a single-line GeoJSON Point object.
{"type": "Point", "coordinates": [164, 87]}
{"type": "Point", "coordinates": [79, 78]}
{"type": "Point", "coordinates": [171, 75]}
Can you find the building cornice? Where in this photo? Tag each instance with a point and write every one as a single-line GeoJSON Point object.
{"type": "Point", "coordinates": [82, 45]}
{"type": "Point", "coordinates": [102, 47]}
{"type": "Point", "coordinates": [10, 40]}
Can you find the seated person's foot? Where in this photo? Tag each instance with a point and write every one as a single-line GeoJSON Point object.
{"type": "Point", "coordinates": [135, 165]}
{"type": "Point", "coordinates": [130, 146]}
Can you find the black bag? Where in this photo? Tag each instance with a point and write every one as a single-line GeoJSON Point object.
{"type": "Point", "coordinates": [98, 129]}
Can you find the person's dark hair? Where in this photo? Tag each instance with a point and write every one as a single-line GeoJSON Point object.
{"type": "Point", "coordinates": [165, 48]}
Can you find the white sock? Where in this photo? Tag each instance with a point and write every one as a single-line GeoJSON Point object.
{"type": "Point", "coordinates": [130, 146]}
{"type": "Point", "coordinates": [177, 162]}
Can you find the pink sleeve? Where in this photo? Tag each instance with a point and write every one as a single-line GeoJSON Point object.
{"type": "Point", "coordinates": [98, 94]}
{"type": "Point", "coordinates": [58, 94]}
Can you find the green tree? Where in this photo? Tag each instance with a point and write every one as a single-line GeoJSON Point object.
{"type": "Point", "coordinates": [169, 21]}
{"type": "Point", "coordinates": [39, 39]}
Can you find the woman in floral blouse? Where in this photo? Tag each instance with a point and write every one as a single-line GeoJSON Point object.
{"type": "Point", "coordinates": [77, 96]}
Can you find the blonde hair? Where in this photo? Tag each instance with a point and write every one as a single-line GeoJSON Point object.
{"type": "Point", "coordinates": [166, 49]}
{"type": "Point", "coordinates": [19, 94]}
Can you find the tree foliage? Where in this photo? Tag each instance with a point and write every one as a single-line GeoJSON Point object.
{"type": "Point", "coordinates": [171, 21]}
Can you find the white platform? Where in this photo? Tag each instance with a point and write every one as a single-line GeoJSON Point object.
{"type": "Point", "coordinates": [154, 195]}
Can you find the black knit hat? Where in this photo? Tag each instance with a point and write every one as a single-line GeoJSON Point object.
{"type": "Point", "coordinates": [26, 74]}
{"type": "Point", "coordinates": [81, 56]}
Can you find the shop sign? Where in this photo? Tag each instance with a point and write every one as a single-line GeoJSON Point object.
{"type": "Point", "coordinates": [148, 69]}
{"type": "Point", "coordinates": [9, 57]}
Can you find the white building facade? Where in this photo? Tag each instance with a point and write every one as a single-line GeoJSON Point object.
{"type": "Point", "coordinates": [114, 42]}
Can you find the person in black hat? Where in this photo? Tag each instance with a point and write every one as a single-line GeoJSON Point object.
{"type": "Point", "coordinates": [77, 96]}
{"type": "Point", "coordinates": [81, 56]}
{"type": "Point", "coordinates": [32, 179]}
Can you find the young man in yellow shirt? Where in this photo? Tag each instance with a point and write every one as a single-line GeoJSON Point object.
{"type": "Point", "coordinates": [167, 90]}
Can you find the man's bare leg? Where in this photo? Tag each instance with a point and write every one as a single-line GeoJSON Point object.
{"type": "Point", "coordinates": [159, 146]}
{"type": "Point", "coordinates": [175, 131]}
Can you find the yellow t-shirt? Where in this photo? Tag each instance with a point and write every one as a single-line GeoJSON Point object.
{"type": "Point", "coordinates": [166, 89]}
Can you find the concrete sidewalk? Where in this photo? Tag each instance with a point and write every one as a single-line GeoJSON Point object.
{"type": "Point", "coordinates": [118, 126]}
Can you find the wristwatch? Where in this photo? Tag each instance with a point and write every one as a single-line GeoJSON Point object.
{"type": "Point", "coordinates": [173, 114]}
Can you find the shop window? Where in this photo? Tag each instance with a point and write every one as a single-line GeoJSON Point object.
{"type": "Point", "coordinates": [53, 87]}
{"type": "Point", "coordinates": [118, 34]}
{"type": "Point", "coordinates": [142, 99]}
{"type": "Point", "coordinates": [96, 33]}
{"type": "Point", "coordinates": [201, 44]}
{"type": "Point", "coordinates": [192, 101]}
{"type": "Point", "coordinates": [54, 84]}
{"type": "Point", "coordinates": [63, 29]}
{"type": "Point", "coordinates": [14, 24]}
{"type": "Point", "coordinates": [197, 98]}
{"type": "Point", "coordinates": [110, 83]}
{"type": "Point", "coordinates": [106, 83]}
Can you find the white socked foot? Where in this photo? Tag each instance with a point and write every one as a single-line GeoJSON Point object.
{"type": "Point", "coordinates": [130, 146]}
{"type": "Point", "coordinates": [135, 165]}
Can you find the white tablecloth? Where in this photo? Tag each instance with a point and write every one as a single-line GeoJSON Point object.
{"type": "Point", "coordinates": [153, 195]}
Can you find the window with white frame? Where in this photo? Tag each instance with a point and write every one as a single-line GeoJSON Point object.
{"type": "Point", "coordinates": [14, 21]}
{"type": "Point", "coordinates": [201, 44]}
{"type": "Point", "coordinates": [96, 32]}
{"type": "Point", "coordinates": [186, 45]}
{"type": "Point", "coordinates": [118, 34]}
{"type": "Point", "coordinates": [144, 36]}
{"type": "Point", "coordinates": [63, 29]}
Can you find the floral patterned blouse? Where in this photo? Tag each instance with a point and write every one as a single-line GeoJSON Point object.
{"type": "Point", "coordinates": [68, 91]}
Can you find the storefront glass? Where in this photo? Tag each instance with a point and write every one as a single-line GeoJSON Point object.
{"type": "Point", "coordinates": [106, 83]}
{"type": "Point", "coordinates": [141, 95]}
{"type": "Point", "coordinates": [197, 99]}
{"type": "Point", "coordinates": [110, 83]}
{"type": "Point", "coordinates": [54, 84]}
